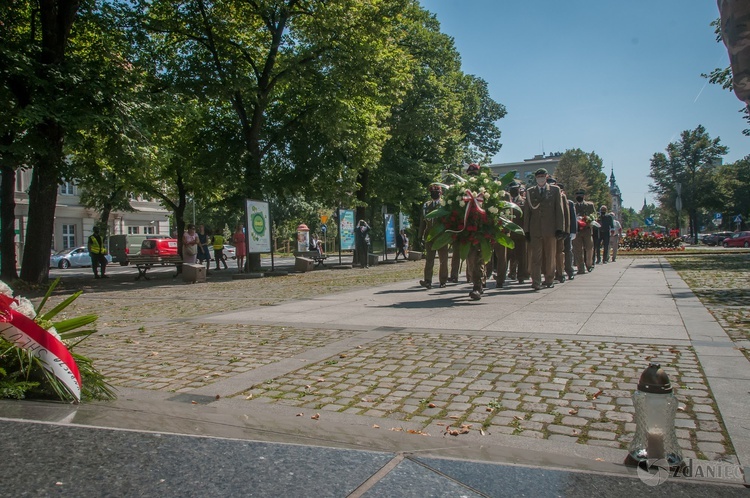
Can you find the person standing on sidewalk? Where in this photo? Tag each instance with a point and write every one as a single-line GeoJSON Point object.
{"type": "Point", "coordinates": [424, 228]}
{"type": "Point", "coordinates": [218, 244]}
{"type": "Point", "coordinates": [362, 243]}
{"type": "Point", "coordinates": [614, 237]}
{"type": "Point", "coordinates": [606, 222]}
{"type": "Point", "coordinates": [583, 245]}
{"type": "Point", "coordinates": [570, 237]}
{"type": "Point", "coordinates": [544, 223]}
{"type": "Point", "coordinates": [98, 253]}
{"type": "Point", "coordinates": [560, 249]}
{"type": "Point", "coordinates": [519, 262]}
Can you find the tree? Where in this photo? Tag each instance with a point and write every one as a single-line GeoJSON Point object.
{"type": "Point", "coordinates": [687, 167]}
{"type": "Point", "coordinates": [583, 170]}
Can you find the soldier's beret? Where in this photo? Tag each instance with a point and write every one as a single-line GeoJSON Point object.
{"type": "Point", "coordinates": [580, 191]}
{"type": "Point", "coordinates": [562, 187]}
{"type": "Point", "coordinates": [551, 181]}
{"type": "Point", "coordinates": [514, 184]}
{"type": "Point", "coordinates": [540, 171]}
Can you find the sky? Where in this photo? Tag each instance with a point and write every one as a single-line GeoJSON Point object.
{"type": "Point", "coordinates": [621, 79]}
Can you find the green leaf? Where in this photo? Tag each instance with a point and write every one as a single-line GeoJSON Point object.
{"type": "Point", "coordinates": [57, 309]}
{"type": "Point", "coordinates": [511, 227]}
{"type": "Point", "coordinates": [73, 323]}
{"type": "Point", "coordinates": [463, 251]}
{"type": "Point", "coordinates": [507, 178]}
{"type": "Point", "coordinates": [505, 240]}
{"type": "Point", "coordinates": [486, 249]}
{"type": "Point", "coordinates": [436, 230]}
{"type": "Point", "coordinates": [438, 213]}
{"type": "Point", "coordinates": [47, 295]}
{"type": "Point", "coordinates": [78, 333]}
{"type": "Point", "coordinates": [442, 240]}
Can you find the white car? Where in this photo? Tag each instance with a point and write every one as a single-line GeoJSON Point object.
{"type": "Point", "coordinates": [230, 251]}
{"type": "Point", "coordinates": [76, 257]}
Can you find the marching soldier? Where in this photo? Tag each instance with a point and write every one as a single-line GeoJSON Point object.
{"type": "Point", "coordinates": [424, 228]}
{"type": "Point", "coordinates": [501, 257]}
{"type": "Point", "coordinates": [474, 262]}
{"type": "Point", "coordinates": [560, 245]}
{"type": "Point", "coordinates": [583, 245]}
{"type": "Point", "coordinates": [543, 222]}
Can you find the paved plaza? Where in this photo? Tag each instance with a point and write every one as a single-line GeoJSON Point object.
{"type": "Point", "coordinates": [541, 379]}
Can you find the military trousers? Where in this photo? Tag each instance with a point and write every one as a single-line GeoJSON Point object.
{"type": "Point", "coordinates": [543, 254]}
{"type": "Point", "coordinates": [583, 250]}
{"type": "Point", "coordinates": [519, 261]}
{"type": "Point", "coordinates": [475, 268]}
{"type": "Point", "coordinates": [430, 263]}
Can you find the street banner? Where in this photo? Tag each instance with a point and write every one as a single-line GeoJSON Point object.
{"type": "Point", "coordinates": [404, 221]}
{"type": "Point", "coordinates": [258, 227]}
{"type": "Point", "coordinates": [390, 231]}
{"type": "Point", "coordinates": [25, 333]}
{"type": "Point", "coordinates": [346, 229]}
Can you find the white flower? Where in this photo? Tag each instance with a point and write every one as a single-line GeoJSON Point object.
{"type": "Point", "coordinates": [472, 179]}
{"type": "Point", "coordinates": [24, 306]}
{"type": "Point", "coordinates": [462, 203]}
{"type": "Point", "coordinates": [493, 210]}
{"type": "Point", "coordinates": [448, 201]}
{"type": "Point", "coordinates": [53, 331]}
{"type": "Point", "coordinates": [483, 174]}
{"type": "Point", "coordinates": [5, 290]}
{"type": "Point", "coordinates": [458, 198]}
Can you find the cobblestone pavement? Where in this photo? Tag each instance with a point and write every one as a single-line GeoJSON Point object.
{"type": "Point", "coordinates": [433, 382]}
{"type": "Point", "coordinates": [722, 283]}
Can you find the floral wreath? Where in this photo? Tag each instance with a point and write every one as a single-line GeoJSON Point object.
{"type": "Point", "coordinates": [473, 213]}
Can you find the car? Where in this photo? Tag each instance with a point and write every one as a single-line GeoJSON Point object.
{"type": "Point", "coordinates": [739, 239]}
{"type": "Point", "coordinates": [715, 239]}
{"type": "Point", "coordinates": [230, 251]}
{"type": "Point", "coordinates": [159, 247]}
{"type": "Point", "coordinates": [76, 257]}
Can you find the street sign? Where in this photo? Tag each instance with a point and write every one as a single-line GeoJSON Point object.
{"type": "Point", "coordinates": [649, 221]}
{"type": "Point", "coordinates": [738, 218]}
{"type": "Point", "coordinates": [323, 228]}
{"type": "Point", "coordinates": [716, 221]}
{"type": "Point", "coordinates": [323, 218]}
{"type": "Point", "coordinates": [717, 216]}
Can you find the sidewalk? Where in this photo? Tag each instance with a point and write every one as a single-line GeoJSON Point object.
{"type": "Point", "coordinates": [368, 383]}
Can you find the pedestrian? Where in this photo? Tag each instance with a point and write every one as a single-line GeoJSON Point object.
{"type": "Point", "coordinates": [614, 237]}
{"type": "Point", "coordinates": [583, 244]}
{"type": "Point", "coordinates": [424, 228]}
{"type": "Point", "coordinates": [543, 224]}
{"type": "Point", "coordinates": [217, 241]}
{"type": "Point", "coordinates": [362, 243]}
{"type": "Point", "coordinates": [571, 235]}
{"type": "Point", "coordinates": [238, 239]}
{"type": "Point", "coordinates": [203, 256]}
{"type": "Point", "coordinates": [98, 254]}
{"type": "Point", "coordinates": [519, 263]}
{"type": "Point", "coordinates": [190, 243]}
{"type": "Point", "coordinates": [606, 224]}
{"type": "Point", "coordinates": [401, 244]}
{"type": "Point", "coordinates": [560, 249]}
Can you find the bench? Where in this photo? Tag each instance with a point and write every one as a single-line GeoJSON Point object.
{"type": "Point", "coordinates": [144, 263]}
{"type": "Point", "coordinates": [314, 255]}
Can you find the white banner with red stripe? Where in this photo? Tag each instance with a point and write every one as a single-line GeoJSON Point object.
{"type": "Point", "coordinates": [25, 333]}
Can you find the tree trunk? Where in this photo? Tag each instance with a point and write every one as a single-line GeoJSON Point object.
{"type": "Point", "coordinates": [363, 179]}
{"type": "Point", "coordinates": [7, 225]}
{"type": "Point", "coordinates": [42, 201]}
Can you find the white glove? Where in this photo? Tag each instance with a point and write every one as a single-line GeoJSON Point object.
{"type": "Point", "coordinates": [573, 236]}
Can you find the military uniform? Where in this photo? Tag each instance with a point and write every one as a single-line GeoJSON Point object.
{"type": "Point", "coordinates": [519, 261]}
{"type": "Point", "coordinates": [583, 245]}
{"type": "Point", "coordinates": [424, 228]}
{"type": "Point", "coordinates": [501, 257]}
{"type": "Point", "coordinates": [543, 220]}
{"type": "Point", "coordinates": [560, 246]}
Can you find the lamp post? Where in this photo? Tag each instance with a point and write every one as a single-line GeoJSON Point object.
{"type": "Point", "coordinates": [655, 411]}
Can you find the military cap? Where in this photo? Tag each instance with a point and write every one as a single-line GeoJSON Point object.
{"type": "Point", "coordinates": [580, 191]}
{"type": "Point", "coordinates": [435, 187]}
{"type": "Point", "coordinates": [540, 171]}
{"type": "Point", "coordinates": [551, 181]}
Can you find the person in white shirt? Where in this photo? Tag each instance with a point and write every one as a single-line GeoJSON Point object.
{"type": "Point", "coordinates": [614, 238]}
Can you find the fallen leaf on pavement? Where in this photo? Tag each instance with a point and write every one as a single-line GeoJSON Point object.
{"type": "Point", "coordinates": [321, 379]}
{"type": "Point", "coordinates": [488, 409]}
{"type": "Point", "coordinates": [316, 416]}
{"type": "Point", "coordinates": [249, 397]}
{"type": "Point", "coordinates": [597, 394]}
{"type": "Point", "coordinates": [517, 417]}
{"type": "Point", "coordinates": [432, 405]}
{"type": "Point", "coordinates": [454, 417]}
{"type": "Point", "coordinates": [194, 402]}
{"type": "Point", "coordinates": [300, 414]}
{"type": "Point", "coordinates": [218, 396]}
{"type": "Point", "coordinates": [375, 426]}
{"type": "Point", "coordinates": [573, 412]}
{"type": "Point", "coordinates": [481, 431]}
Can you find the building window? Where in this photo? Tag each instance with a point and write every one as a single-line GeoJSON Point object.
{"type": "Point", "coordinates": [68, 236]}
{"type": "Point", "coordinates": [134, 230]}
{"type": "Point", "coordinates": [67, 188]}
{"type": "Point", "coordinates": [148, 230]}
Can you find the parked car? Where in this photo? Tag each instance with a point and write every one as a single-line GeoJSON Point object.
{"type": "Point", "coordinates": [76, 257]}
{"type": "Point", "coordinates": [715, 239]}
{"type": "Point", "coordinates": [121, 246]}
{"type": "Point", "coordinates": [738, 239]}
{"type": "Point", "coordinates": [159, 247]}
{"type": "Point", "coordinates": [230, 251]}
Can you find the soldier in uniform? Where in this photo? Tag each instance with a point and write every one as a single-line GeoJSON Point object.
{"type": "Point", "coordinates": [583, 245]}
{"type": "Point", "coordinates": [424, 228]}
{"type": "Point", "coordinates": [474, 262]}
{"type": "Point", "coordinates": [606, 222]}
{"type": "Point", "coordinates": [500, 253]}
{"type": "Point", "coordinates": [572, 233]}
{"type": "Point", "coordinates": [519, 266]}
{"type": "Point", "coordinates": [544, 223]}
{"type": "Point", "coordinates": [560, 248]}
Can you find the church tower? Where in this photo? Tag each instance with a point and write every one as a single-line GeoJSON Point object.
{"type": "Point", "coordinates": [614, 191]}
